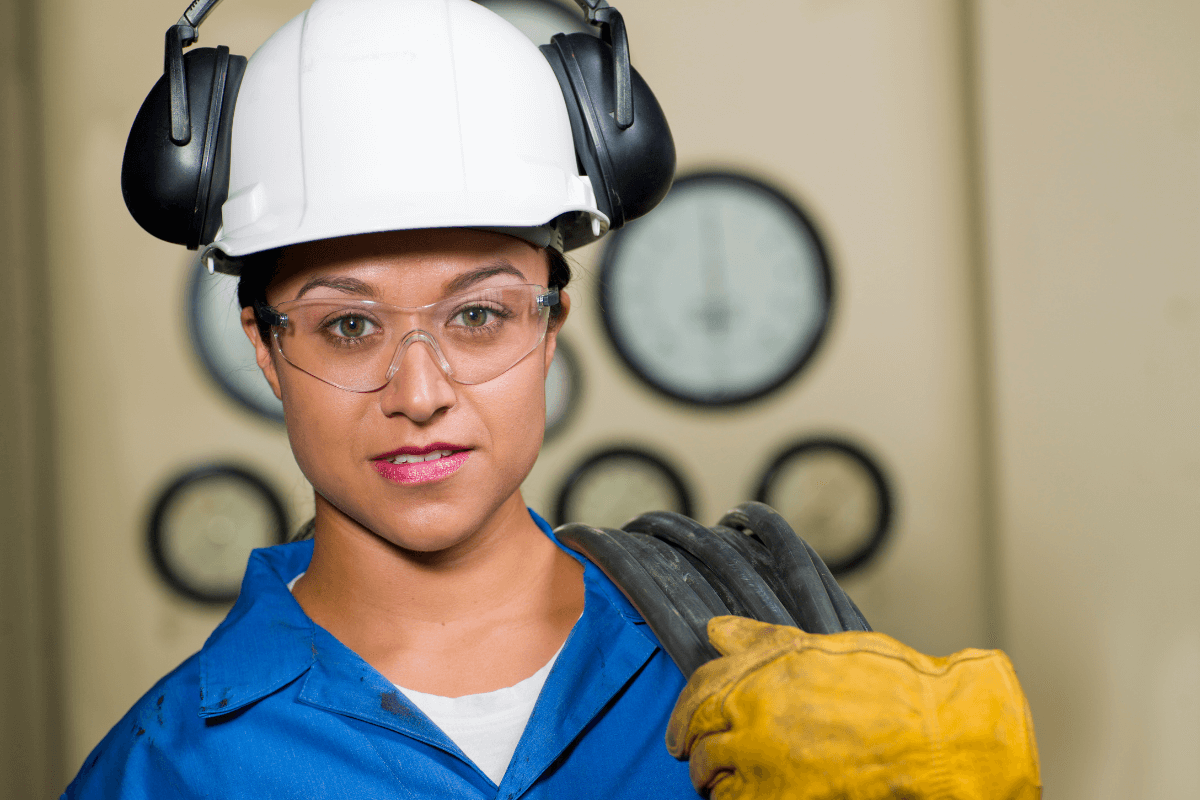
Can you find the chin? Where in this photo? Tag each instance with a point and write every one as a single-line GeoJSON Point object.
{"type": "Point", "coordinates": [426, 519]}
{"type": "Point", "coordinates": [432, 528]}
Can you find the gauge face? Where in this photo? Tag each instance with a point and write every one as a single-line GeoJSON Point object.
{"type": "Point", "coordinates": [215, 325]}
{"type": "Point", "coordinates": [834, 496]}
{"type": "Point", "coordinates": [613, 486]}
{"type": "Point", "coordinates": [539, 19]}
{"type": "Point", "coordinates": [719, 296]}
{"type": "Point", "coordinates": [204, 526]}
{"type": "Point", "coordinates": [563, 387]}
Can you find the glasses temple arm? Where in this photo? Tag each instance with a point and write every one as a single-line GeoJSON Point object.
{"type": "Point", "coordinates": [269, 316]}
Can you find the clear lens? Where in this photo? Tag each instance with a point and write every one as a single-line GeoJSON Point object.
{"type": "Point", "coordinates": [358, 344]}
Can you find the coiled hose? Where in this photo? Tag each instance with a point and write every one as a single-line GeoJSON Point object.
{"type": "Point", "coordinates": [679, 574]}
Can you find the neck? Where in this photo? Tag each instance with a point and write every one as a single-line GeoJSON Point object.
{"type": "Point", "coordinates": [505, 590]}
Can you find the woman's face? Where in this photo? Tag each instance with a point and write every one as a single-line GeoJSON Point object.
{"type": "Point", "coordinates": [345, 441]}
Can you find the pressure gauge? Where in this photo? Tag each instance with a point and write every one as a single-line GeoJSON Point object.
{"type": "Point", "coordinates": [721, 295]}
{"type": "Point", "coordinates": [613, 486]}
{"type": "Point", "coordinates": [204, 525]}
{"type": "Point", "coordinates": [563, 387]}
{"type": "Point", "coordinates": [215, 324]}
{"type": "Point", "coordinates": [539, 19]}
{"type": "Point", "coordinates": [834, 496]}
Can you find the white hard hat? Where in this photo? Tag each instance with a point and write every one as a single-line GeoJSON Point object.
{"type": "Point", "coordinates": [360, 116]}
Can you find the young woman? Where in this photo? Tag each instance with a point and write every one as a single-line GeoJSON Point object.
{"type": "Point", "coordinates": [427, 562]}
{"type": "Point", "coordinates": [402, 181]}
{"type": "Point", "coordinates": [430, 591]}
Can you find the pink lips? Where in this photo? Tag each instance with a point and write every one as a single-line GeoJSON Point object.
{"type": "Point", "coordinates": [421, 471]}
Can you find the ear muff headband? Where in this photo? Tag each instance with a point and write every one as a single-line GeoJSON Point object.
{"type": "Point", "coordinates": [590, 146]}
{"type": "Point", "coordinates": [204, 209]}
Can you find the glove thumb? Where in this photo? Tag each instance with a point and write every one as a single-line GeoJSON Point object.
{"type": "Point", "coordinates": [732, 635]}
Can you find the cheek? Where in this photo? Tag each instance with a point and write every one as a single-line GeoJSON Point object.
{"type": "Point", "coordinates": [513, 407]}
{"type": "Point", "coordinates": [319, 421]}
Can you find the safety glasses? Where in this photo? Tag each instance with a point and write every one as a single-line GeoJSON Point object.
{"type": "Point", "coordinates": [358, 345]}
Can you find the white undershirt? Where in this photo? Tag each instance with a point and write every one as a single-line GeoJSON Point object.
{"type": "Point", "coordinates": [487, 727]}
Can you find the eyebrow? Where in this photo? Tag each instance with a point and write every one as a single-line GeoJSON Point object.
{"type": "Point", "coordinates": [347, 285]}
{"type": "Point", "coordinates": [468, 279]}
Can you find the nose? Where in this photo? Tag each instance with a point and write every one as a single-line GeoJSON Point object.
{"type": "Point", "coordinates": [418, 384]}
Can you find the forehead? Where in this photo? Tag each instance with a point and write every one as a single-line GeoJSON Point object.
{"type": "Point", "coordinates": [410, 267]}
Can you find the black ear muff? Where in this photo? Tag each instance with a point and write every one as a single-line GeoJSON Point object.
{"type": "Point", "coordinates": [175, 191]}
{"type": "Point", "coordinates": [621, 135]}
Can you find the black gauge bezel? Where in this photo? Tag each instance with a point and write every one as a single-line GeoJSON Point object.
{"type": "Point", "coordinates": [881, 532]}
{"type": "Point", "coordinates": [212, 367]}
{"type": "Point", "coordinates": [570, 362]}
{"type": "Point", "coordinates": [610, 258]}
{"type": "Point", "coordinates": [622, 452]}
{"type": "Point", "coordinates": [185, 482]}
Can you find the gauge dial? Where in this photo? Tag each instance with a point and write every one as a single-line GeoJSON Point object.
{"type": "Point", "coordinates": [204, 525]}
{"type": "Point", "coordinates": [215, 325]}
{"type": "Point", "coordinates": [721, 295]}
{"type": "Point", "coordinates": [613, 486]}
{"type": "Point", "coordinates": [834, 496]}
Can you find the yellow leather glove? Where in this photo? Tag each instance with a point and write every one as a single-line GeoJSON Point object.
{"type": "Point", "coordinates": [853, 716]}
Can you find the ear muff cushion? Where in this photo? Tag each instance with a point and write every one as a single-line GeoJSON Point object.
{"type": "Point", "coordinates": [175, 192]}
{"type": "Point", "coordinates": [631, 170]}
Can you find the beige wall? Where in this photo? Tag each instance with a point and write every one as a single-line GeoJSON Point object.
{"type": "Point", "coordinates": [854, 108]}
{"type": "Point", "coordinates": [816, 106]}
{"type": "Point", "coordinates": [31, 760]}
{"type": "Point", "coordinates": [1009, 193]}
{"type": "Point", "coordinates": [132, 406]}
{"type": "Point", "coordinates": [1091, 124]}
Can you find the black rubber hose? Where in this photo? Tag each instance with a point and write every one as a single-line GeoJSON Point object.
{"type": "Point", "coordinates": [679, 575]}
{"type": "Point", "coordinates": [728, 597]}
{"type": "Point", "coordinates": [749, 545]}
{"type": "Point", "coordinates": [852, 619]}
{"type": "Point", "coordinates": [816, 613]}
{"type": "Point", "coordinates": [668, 567]}
{"type": "Point", "coordinates": [675, 580]}
{"type": "Point", "coordinates": [687, 644]}
{"type": "Point", "coordinates": [760, 558]}
{"type": "Point", "coordinates": [752, 549]}
{"type": "Point", "coordinates": [734, 571]}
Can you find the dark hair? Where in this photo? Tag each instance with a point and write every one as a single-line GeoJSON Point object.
{"type": "Point", "coordinates": [259, 269]}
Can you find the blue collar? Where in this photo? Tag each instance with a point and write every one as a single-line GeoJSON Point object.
{"type": "Point", "coordinates": [267, 642]}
